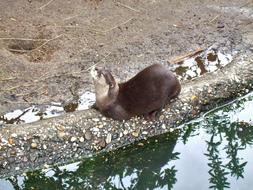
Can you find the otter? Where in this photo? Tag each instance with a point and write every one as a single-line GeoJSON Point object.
{"type": "Point", "coordinates": [143, 95]}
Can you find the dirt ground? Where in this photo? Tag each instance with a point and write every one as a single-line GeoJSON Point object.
{"type": "Point", "coordinates": [47, 46]}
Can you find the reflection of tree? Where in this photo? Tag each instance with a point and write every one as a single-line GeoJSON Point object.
{"type": "Point", "coordinates": [144, 166]}
{"type": "Point", "coordinates": [230, 137]}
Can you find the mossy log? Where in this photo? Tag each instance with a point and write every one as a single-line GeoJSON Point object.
{"type": "Point", "coordinates": [70, 137]}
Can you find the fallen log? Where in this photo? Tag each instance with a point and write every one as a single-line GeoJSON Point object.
{"type": "Point", "coordinates": [73, 136]}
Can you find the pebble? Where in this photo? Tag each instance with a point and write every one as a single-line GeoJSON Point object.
{"type": "Point", "coordinates": [81, 139]}
{"type": "Point", "coordinates": [140, 144]}
{"type": "Point", "coordinates": [144, 132]}
{"type": "Point", "coordinates": [95, 129]}
{"type": "Point", "coordinates": [135, 134]}
{"type": "Point", "coordinates": [102, 143]}
{"type": "Point", "coordinates": [14, 135]}
{"type": "Point", "coordinates": [163, 126]}
{"type": "Point", "coordinates": [10, 141]}
{"type": "Point", "coordinates": [108, 138]}
{"type": "Point", "coordinates": [95, 119]}
{"type": "Point", "coordinates": [34, 145]}
{"type": "Point", "coordinates": [125, 132]}
{"type": "Point", "coordinates": [44, 146]}
{"type": "Point", "coordinates": [87, 135]}
{"type": "Point", "coordinates": [73, 139]}
{"type": "Point", "coordinates": [161, 117]}
{"type": "Point", "coordinates": [61, 134]}
{"type": "Point", "coordinates": [46, 166]}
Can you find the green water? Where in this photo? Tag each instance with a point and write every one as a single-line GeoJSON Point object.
{"type": "Point", "coordinates": [213, 152]}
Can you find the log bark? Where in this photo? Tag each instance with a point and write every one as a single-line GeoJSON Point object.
{"type": "Point", "coordinates": [70, 137]}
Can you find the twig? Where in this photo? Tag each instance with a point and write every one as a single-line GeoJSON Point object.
{"type": "Point", "coordinates": [68, 18]}
{"type": "Point", "coordinates": [46, 4]}
{"type": "Point", "coordinates": [121, 24]}
{"type": "Point", "coordinates": [128, 7]}
{"type": "Point", "coordinates": [214, 18]}
{"type": "Point", "coordinates": [6, 79]}
{"type": "Point", "coordinates": [23, 51]}
{"type": "Point", "coordinates": [98, 62]}
{"type": "Point", "coordinates": [47, 42]}
{"type": "Point", "coordinates": [246, 4]}
{"type": "Point", "coordinates": [25, 39]}
{"type": "Point", "coordinates": [188, 55]}
{"type": "Point", "coordinates": [79, 27]}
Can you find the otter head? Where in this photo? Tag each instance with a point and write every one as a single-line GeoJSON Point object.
{"type": "Point", "coordinates": [106, 88]}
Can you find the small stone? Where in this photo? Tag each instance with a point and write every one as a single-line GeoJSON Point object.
{"type": "Point", "coordinates": [108, 138]}
{"type": "Point", "coordinates": [115, 136]}
{"type": "Point", "coordinates": [144, 132]}
{"type": "Point", "coordinates": [34, 145]}
{"type": "Point", "coordinates": [44, 146]}
{"type": "Point", "coordinates": [61, 134]}
{"type": "Point", "coordinates": [100, 126]}
{"type": "Point", "coordinates": [60, 128]}
{"type": "Point", "coordinates": [194, 97]}
{"type": "Point", "coordinates": [73, 139]}
{"type": "Point", "coordinates": [95, 119]}
{"type": "Point", "coordinates": [135, 134]}
{"type": "Point", "coordinates": [140, 144]}
{"type": "Point", "coordinates": [171, 129]}
{"type": "Point", "coordinates": [125, 132]}
{"type": "Point", "coordinates": [17, 168]}
{"type": "Point", "coordinates": [10, 141]}
{"type": "Point", "coordinates": [88, 135]}
{"type": "Point", "coordinates": [95, 129]}
{"type": "Point", "coordinates": [46, 166]}
{"type": "Point", "coordinates": [102, 143]}
{"type": "Point", "coordinates": [14, 135]}
{"type": "Point", "coordinates": [161, 117]}
{"type": "Point", "coordinates": [81, 139]}
{"type": "Point", "coordinates": [163, 126]}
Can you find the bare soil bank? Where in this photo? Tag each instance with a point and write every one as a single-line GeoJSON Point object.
{"type": "Point", "coordinates": [46, 47]}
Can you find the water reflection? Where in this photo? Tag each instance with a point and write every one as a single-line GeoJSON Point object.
{"type": "Point", "coordinates": [215, 152]}
{"type": "Point", "coordinates": [208, 61]}
{"type": "Point", "coordinates": [39, 112]}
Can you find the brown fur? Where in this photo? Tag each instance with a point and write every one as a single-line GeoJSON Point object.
{"type": "Point", "coordinates": [144, 94]}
